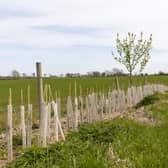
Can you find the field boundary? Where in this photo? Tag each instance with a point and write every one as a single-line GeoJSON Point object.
{"type": "Point", "coordinates": [93, 107]}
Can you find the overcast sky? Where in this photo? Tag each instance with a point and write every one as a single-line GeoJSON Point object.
{"type": "Point", "coordinates": [77, 35]}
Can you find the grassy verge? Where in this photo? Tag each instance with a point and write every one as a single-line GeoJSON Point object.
{"type": "Point", "coordinates": [119, 143]}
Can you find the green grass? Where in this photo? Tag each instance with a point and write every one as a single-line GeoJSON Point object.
{"type": "Point", "coordinates": [62, 86]}
{"type": "Point", "coordinates": [148, 100]}
{"type": "Point", "coordinates": [135, 144]}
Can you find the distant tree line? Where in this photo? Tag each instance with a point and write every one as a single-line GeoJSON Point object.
{"type": "Point", "coordinates": [115, 71]}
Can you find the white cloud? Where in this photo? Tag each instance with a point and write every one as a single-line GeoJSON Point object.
{"type": "Point", "coordinates": [111, 16]}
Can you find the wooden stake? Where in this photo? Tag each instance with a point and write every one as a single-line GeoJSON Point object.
{"type": "Point", "coordinates": [46, 88]}
{"type": "Point", "coordinates": [57, 122]}
{"type": "Point", "coordinates": [87, 92]}
{"type": "Point", "coordinates": [117, 83]}
{"type": "Point", "coordinates": [59, 107]}
{"type": "Point", "coordinates": [44, 93]}
{"type": "Point", "coordinates": [10, 96]}
{"type": "Point", "coordinates": [28, 94]}
{"type": "Point", "coordinates": [75, 88]}
{"type": "Point", "coordinates": [70, 89]}
{"type": "Point", "coordinates": [59, 93]}
{"type": "Point", "coordinates": [39, 87]}
{"type": "Point", "coordinates": [21, 96]}
{"type": "Point", "coordinates": [56, 96]}
{"type": "Point", "coordinates": [50, 94]}
{"type": "Point", "coordinates": [61, 131]}
{"type": "Point", "coordinates": [80, 90]}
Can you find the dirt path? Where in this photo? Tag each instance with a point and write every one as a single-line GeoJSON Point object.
{"type": "Point", "coordinates": [142, 115]}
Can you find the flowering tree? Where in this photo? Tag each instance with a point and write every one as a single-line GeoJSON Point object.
{"type": "Point", "coordinates": [132, 53]}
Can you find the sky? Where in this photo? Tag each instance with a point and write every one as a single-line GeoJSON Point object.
{"type": "Point", "coordinates": [78, 35]}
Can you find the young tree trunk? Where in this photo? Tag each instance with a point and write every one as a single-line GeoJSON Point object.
{"type": "Point", "coordinates": [145, 79]}
{"type": "Point", "coordinates": [116, 83]}
{"type": "Point", "coordinates": [130, 78]}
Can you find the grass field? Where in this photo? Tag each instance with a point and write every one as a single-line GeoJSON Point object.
{"type": "Point", "coordinates": [120, 143]}
{"type": "Point", "coordinates": [62, 86]}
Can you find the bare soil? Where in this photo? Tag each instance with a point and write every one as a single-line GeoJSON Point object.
{"type": "Point", "coordinates": [143, 115]}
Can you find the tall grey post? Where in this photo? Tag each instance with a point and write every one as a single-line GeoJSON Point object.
{"type": "Point", "coordinates": [39, 87]}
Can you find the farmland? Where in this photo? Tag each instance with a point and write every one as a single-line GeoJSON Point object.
{"type": "Point", "coordinates": [83, 84]}
{"type": "Point", "coordinates": [62, 86]}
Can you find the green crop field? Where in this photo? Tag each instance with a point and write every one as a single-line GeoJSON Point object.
{"type": "Point", "coordinates": [64, 86]}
